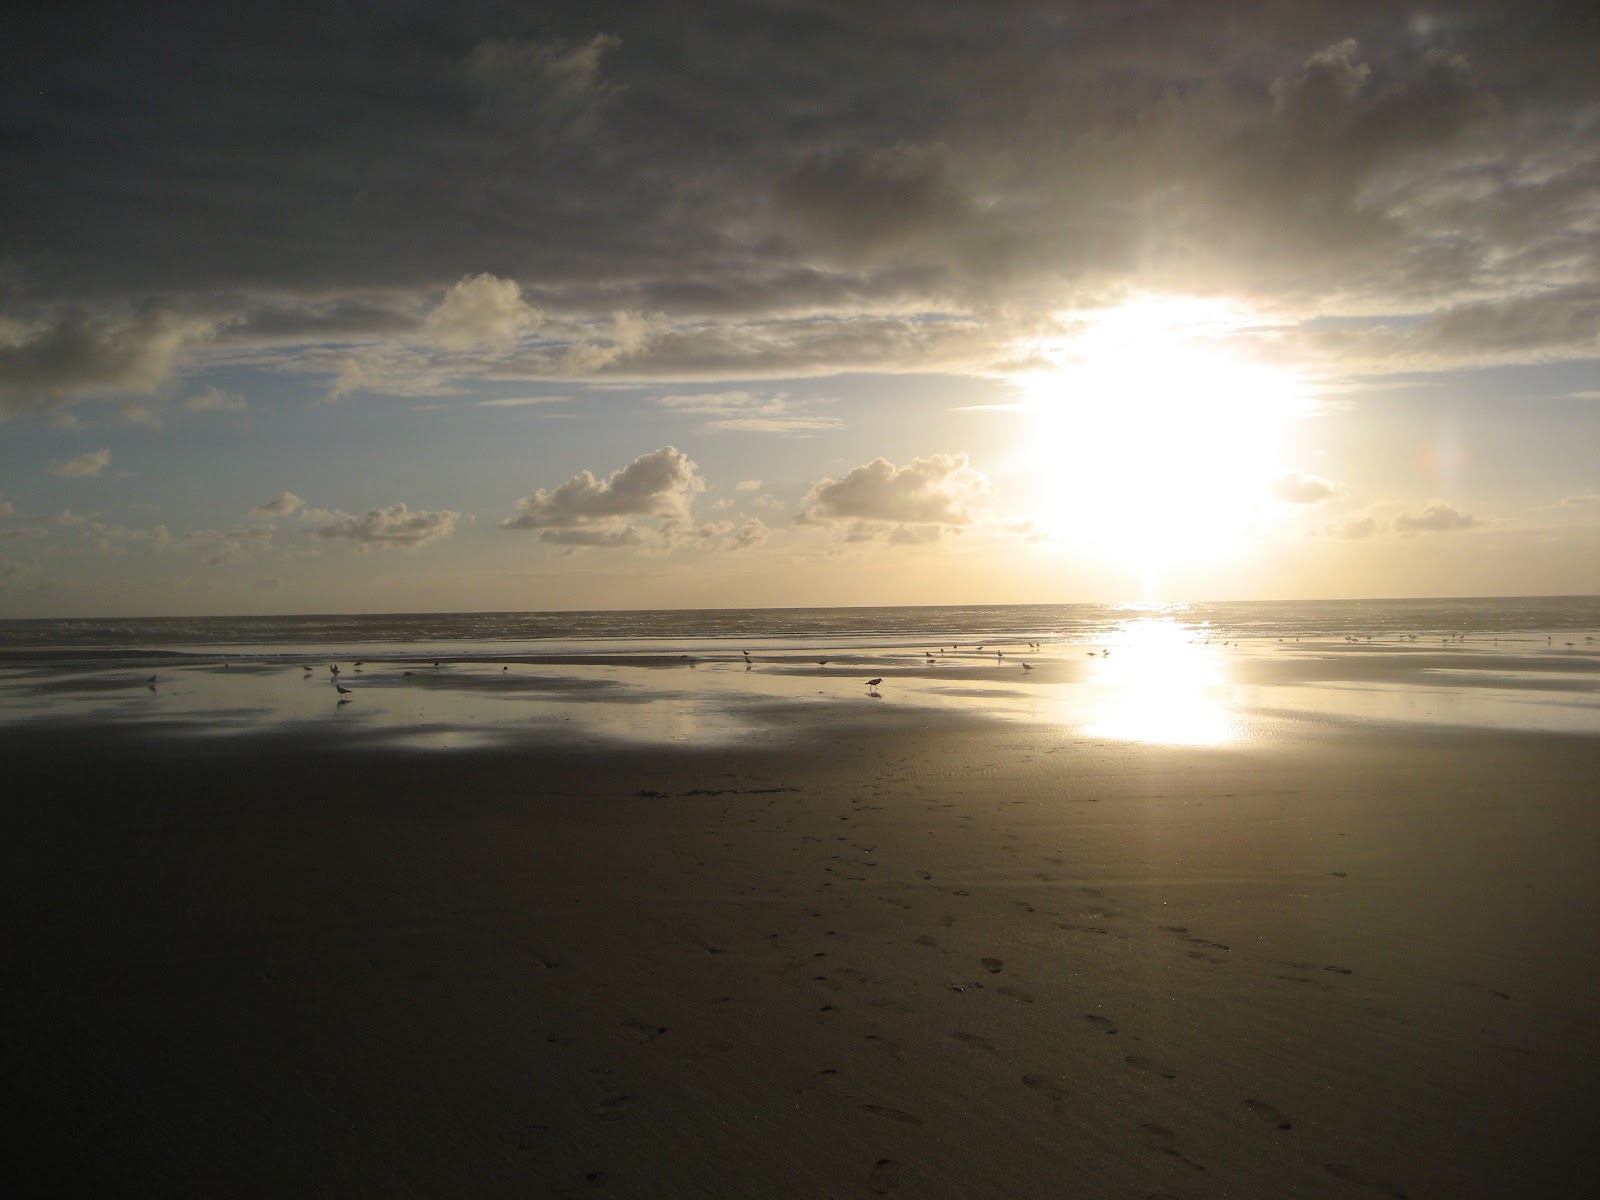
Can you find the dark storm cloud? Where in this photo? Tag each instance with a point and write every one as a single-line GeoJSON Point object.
{"type": "Point", "coordinates": [292, 174]}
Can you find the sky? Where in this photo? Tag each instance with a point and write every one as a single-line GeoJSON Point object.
{"type": "Point", "coordinates": [399, 306]}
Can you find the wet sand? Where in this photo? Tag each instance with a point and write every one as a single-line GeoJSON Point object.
{"type": "Point", "coordinates": [920, 958]}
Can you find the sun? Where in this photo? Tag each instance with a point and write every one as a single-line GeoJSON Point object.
{"type": "Point", "coordinates": [1156, 439]}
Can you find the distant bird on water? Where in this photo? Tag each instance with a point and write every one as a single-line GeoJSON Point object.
{"type": "Point", "coordinates": [822, 662]}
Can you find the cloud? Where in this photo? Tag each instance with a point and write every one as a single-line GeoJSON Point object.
{"type": "Point", "coordinates": [793, 191]}
{"type": "Point", "coordinates": [90, 463]}
{"type": "Point", "coordinates": [396, 525]}
{"type": "Point", "coordinates": [747, 412]}
{"type": "Point", "coordinates": [284, 504]}
{"type": "Point", "coordinates": [730, 535]}
{"type": "Point", "coordinates": [78, 353]}
{"type": "Point", "coordinates": [481, 309]}
{"type": "Point", "coordinates": [1436, 518]}
{"type": "Point", "coordinates": [858, 203]}
{"type": "Point", "coordinates": [1354, 530]}
{"type": "Point", "coordinates": [748, 485]}
{"type": "Point", "coordinates": [539, 87]}
{"type": "Point", "coordinates": [587, 511]}
{"type": "Point", "coordinates": [1295, 488]}
{"type": "Point", "coordinates": [215, 399]}
{"type": "Point", "coordinates": [912, 503]}
{"type": "Point", "coordinates": [521, 401]}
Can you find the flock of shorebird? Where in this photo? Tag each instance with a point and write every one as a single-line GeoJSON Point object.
{"type": "Point", "coordinates": [929, 658]}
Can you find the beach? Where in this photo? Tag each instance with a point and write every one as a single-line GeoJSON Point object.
{"type": "Point", "coordinates": [912, 953]}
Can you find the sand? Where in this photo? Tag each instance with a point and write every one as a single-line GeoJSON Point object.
{"type": "Point", "coordinates": [919, 959]}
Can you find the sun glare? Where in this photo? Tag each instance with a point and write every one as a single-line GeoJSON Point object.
{"type": "Point", "coordinates": [1160, 686]}
{"type": "Point", "coordinates": [1157, 440]}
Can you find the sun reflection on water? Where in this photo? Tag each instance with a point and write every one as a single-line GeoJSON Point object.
{"type": "Point", "coordinates": [1158, 683]}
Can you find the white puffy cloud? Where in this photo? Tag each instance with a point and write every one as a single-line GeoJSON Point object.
{"type": "Point", "coordinates": [90, 463]}
{"type": "Point", "coordinates": [588, 511]}
{"type": "Point", "coordinates": [910, 504]}
{"type": "Point", "coordinates": [1436, 518]}
{"type": "Point", "coordinates": [395, 525]}
{"type": "Point", "coordinates": [1295, 488]}
{"type": "Point", "coordinates": [481, 309]}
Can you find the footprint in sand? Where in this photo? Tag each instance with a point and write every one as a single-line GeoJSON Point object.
{"type": "Point", "coordinates": [1269, 1114]}
{"type": "Point", "coordinates": [924, 874]}
{"type": "Point", "coordinates": [885, 1176]}
{"type": "Point", "coordinates": [926, 940]}
{"type": "Point", "coordinates": [1350, 1175]}
{"type": "Point", "coordinates": [1159, 1137]}
{"type": "Point", "coordinates": [972, 1039]}
{"type": "Point", "coordinates": [1140, 1063]}
{"type": "Point", "coordinates": [1017, 993]}
{"type": "Point", "coordinates": [1104, 1024]}
{"type": "Point", "coordinates": [893, 1114]}
{"type": "Point", "coordinates": [993, 965]}
{"type": "Point", "coordinates": [1339, 970]}
{"type": "Point", "coordinates": [642, 1031]}
{"type": "Point", "coordinates": [1047, 1088]}
{"type": "Point", "coordinates": [817, 1080]}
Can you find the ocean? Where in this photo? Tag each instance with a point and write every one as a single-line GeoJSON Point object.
{"type": "Point", "coordinates": [1183, 673]}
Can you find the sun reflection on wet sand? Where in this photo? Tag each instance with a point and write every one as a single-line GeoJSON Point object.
{"type": "Point", "coordinates": [1155, 683]}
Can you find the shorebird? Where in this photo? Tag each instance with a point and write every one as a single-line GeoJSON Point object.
{"type": "Point", "coordinates": [1027, 667]}
{"type": "Point", "coordinates": [334, 667]}
{"type": "Point", "coordinates": [305, 668]}
{"type": "Point", "coordinates": [822, 662]}
{"type": "Point", "coordinates": [872, 683]}
{"type": "Point", "coordinates": [343, 691]}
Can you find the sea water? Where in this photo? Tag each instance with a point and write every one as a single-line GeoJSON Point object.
{"type": "Point", "coordinates": [1180, 673]}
